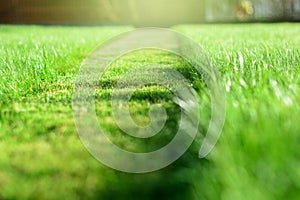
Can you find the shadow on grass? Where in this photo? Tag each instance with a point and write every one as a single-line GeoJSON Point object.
{"type": "Point", "coordinates": [173, 182]}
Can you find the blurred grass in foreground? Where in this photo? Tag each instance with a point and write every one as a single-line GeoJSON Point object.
{"type": "Point", "coordinates": [257, 156]}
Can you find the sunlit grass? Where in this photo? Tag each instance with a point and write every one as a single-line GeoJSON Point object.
{"type": "Point", "coordinates": [257, 156]}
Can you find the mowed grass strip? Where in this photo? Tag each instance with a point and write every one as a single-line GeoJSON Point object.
{"type": "Point", "coordinates": [256, 157]}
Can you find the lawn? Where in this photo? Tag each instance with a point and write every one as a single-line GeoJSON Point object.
{"type": "Point", "coordinates": [257, 156]}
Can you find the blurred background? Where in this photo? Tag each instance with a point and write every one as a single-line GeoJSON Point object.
{"type": "Point", "coordinates": [146, 12]}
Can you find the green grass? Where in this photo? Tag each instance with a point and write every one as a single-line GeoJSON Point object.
{"type": "Point", "coordinates": [257, 156]}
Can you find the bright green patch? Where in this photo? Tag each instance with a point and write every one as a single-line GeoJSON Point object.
{"type": "Point", "coordinates": [257, 156]}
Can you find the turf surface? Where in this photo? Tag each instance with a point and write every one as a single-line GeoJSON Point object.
{"type": "Point", "coordinates": [257, 156]}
